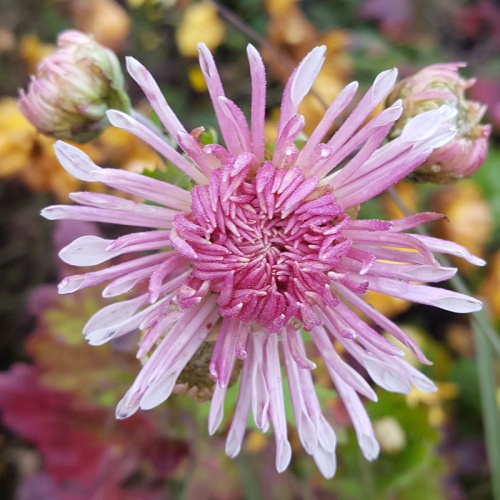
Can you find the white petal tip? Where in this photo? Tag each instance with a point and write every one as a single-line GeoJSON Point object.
{"type": "Point", "coordinates": [74, 161]}
{"type": "Point", "coordinates": [119, 119]}
{"type": "Point", "coordinates": [252, 51]}
{"type": "Point", "coordinates": [306, 73]}
{"type": "Point", "coordinates": [458, 304]}
{"type": "Point", "coordinates": [383, 84]}
{"type": "Point", "coordinates": [124, 410]}
{"type": "Point", "coordinates": [132, 64]}
{"type": "Point", "coordinates": [233, 446]}
{"type": "Point", "coordinates": [96, 342]}
{"type": "Point", "coordinates": [86, 251]}
{"type": "Point", "coordinates": [45, 213]}
{"type": "Point", "coordinates": [158, 392]}
{"type": "Point", "coordinates": [283, 455]}
{"type": "Point", "coordinates": [70, 285]}
{"type": "Point", "coordinates": [369, 447]}
{"type": "Point", "coordinates": [326, 463]}
{"type": "Point", "coordinates": [425, 385]}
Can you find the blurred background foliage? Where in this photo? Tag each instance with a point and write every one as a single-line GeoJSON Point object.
{"type": "Point", "coordinates": [58, 436]}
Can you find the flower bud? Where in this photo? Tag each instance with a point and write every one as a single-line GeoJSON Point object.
{"type": "Point", "coordinates": [429, 89]}
{"type": "Point", "coordinates": [73, 88]}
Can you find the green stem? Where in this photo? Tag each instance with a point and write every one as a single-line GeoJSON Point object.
{"type": "Point", "coordinates": [248, 479]}
{"type": "Point", "coordinates": [232, 18]}
{"type": "Point", "coordinates": [485, 337]}
{"type": "Point", "coordinates": [488, 396]}
{"type": "Point", "coordinates": [480, 320]}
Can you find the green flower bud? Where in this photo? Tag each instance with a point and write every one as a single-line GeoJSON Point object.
{"type": "Point", "coordinates": [73, 88]}
{"type": "Point", "coordinates": [429, 89]}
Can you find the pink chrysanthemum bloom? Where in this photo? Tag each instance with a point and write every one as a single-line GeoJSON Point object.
{"type": "Point", "coordinates": [263, 248]}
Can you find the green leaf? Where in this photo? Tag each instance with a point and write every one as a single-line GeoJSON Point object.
{"type": "Point", "coordinates": [170, 174]}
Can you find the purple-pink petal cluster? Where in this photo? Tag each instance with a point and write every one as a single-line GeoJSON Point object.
{"type": "Point", "coordinates": [260, 250]}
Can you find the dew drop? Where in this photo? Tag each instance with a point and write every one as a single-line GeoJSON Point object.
{"type": "Point", "coordinates": [348, 334]}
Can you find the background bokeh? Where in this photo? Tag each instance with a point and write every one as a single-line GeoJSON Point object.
{"type": "Point", "coordinates": [58, 435]}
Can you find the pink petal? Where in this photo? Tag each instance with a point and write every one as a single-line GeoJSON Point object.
{"type": "Point", "coordinates": [147, 188]}
{"type": "Point", "coordinates": [75, 161]}
{"type": "Point", "coordinates": [448, 247]}
{"type": "Point", "coordinates": [215, 89]}
{"type": "Point", "coordinates": [235, 117]}
{"type": "Point", "coordinates": [155, 96]}
{"type": "Point", "coordinates": [362, 425]}
{"type": "Point", "coordinates": [238, 425]}
{"type": "Point", "coordinates": [335, 109]}
{"type": "Point", "coordinates": [126, 122]}
{"type": "Point", "coordinates": [299, 85]}
{"type": "Point", "coordinates": [258, 77]}
{"type": "Point", "coordinates": [421, 294]}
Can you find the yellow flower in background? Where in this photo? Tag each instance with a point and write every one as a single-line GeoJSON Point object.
{"type": "Point", "coordinates": [388, 306]}
{"type": "Point", "coordinates": [106, 20]}
{"type": "Point", "coordinates": [255, 442]}
{"type": "Point", "coordinates": [41, 172]}
{"type": "Point", "coordinates": [201, 23]}
{"type": "Point", "coordinates": [289, 27]}
{"type": "Point", "coordinates": [490, 290]}
{"type": "Point", "coordinates": [32, 51]}
{"type": "Point", "coordinates": [29, 157]}
{"type": "Point", "coordinates": [293, 35]}
{"type": "Point", "coordinates": [121, 149]}
{"type": "Point", "coordinates": [435, 401]}
{"type": "Point", "coordinates": [16, 135]}
{"type": "Point", "coordinates": [196, 79]}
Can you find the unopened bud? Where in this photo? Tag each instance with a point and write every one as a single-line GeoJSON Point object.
{"type": "Point", "coordinates": [73, 88]}
{"type": "Point", "coordinates": [429, 89]}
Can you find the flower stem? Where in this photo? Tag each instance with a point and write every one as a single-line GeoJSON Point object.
{"type": "Point", "coordinates": [248, 479]}
{"type": "Point", "coordinates": [232, 18]}
{"type": "Point", "coordinates": [488, 391]}
{"type": "Point", "coordinates": [485, 337]}
{"type": "Point", "coordinates": [278, 57]}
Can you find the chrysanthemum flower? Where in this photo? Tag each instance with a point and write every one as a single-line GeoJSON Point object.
{"type": "Point", "coordinates": [263, 249]}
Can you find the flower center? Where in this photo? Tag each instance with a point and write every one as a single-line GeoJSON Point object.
{"type": "Point", "coordinates": [267, 243]}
